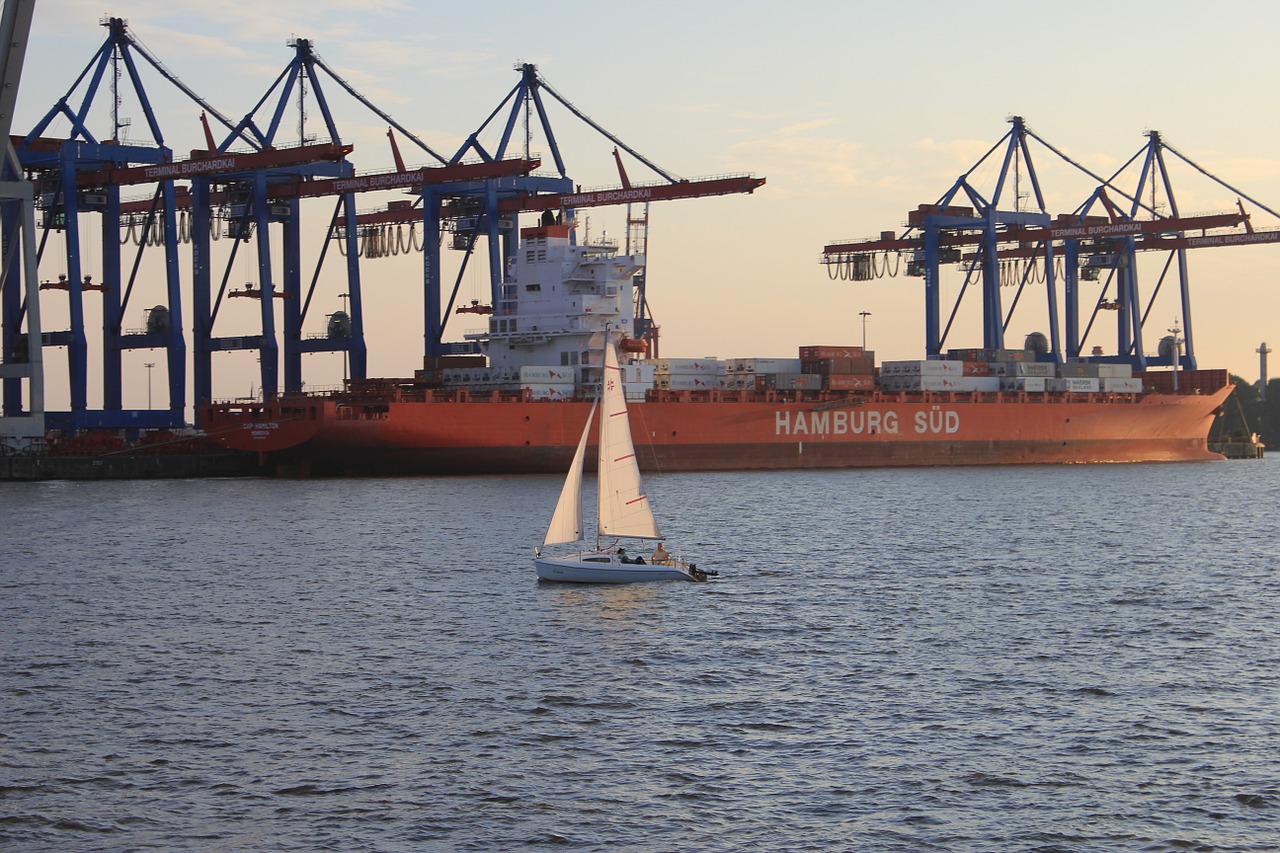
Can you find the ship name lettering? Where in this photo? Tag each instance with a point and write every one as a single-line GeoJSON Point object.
{"type": "Point", "coordinates": [937, 421]}
{"type": "Point", "coordinates": [839, 422]}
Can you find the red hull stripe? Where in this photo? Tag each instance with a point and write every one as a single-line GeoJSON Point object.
{"type": "Point", "coordinates": [636, 501]}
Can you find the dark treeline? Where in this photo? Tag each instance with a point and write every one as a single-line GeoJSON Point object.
{"type": "Point", "coordinates": [1245, 413]}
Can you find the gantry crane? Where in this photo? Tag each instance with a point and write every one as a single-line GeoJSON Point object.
{"type": "Point", "coordinates": [493, 209]}
{"type": "Point", "coordinates": [58, 166]}
{"type": "Point", "coordinates": [988, 241]}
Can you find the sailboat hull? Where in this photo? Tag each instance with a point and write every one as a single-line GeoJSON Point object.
{"type": "Point", "coordinates": [589, 568]}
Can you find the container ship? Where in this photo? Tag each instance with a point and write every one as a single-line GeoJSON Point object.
{"type": "Point", "coordinates": [518, 405]}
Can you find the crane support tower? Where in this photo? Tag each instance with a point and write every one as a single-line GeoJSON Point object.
{"type": "Point", "coordinates": [22, 421]}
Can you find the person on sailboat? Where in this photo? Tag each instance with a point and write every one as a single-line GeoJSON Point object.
{"type": "Point", "coordinates": [660, 555]}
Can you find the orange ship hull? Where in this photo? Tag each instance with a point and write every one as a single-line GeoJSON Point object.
{"type": "Point", "coordinates": [322, 436]}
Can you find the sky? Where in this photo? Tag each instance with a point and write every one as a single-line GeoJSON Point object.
{"type": "Point", "coordinates": [854, 113]}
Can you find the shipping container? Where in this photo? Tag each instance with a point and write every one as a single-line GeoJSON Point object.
{"type": "Point", "coordinates": [958, 384]}
{"type": "Point", "coordinates": [544, 374]}
{"type": "Point", "coordinates": [1122, 385]}
{"type": "Point", "coordinates": [824, 366]}
{"type": "Point", "coordinates": [851, 382]}
{"type": "Point", "coordinates": [1076, 369]}
{"type": "Point", "coordinates": [767, 365]}
{"type": "Point", "coordinates": [1044, 369]}
{"type": "Point", "coordinates": [1030, 384]}
{"type": "Point", "coordinates": [1074, 384]}
{"type": "Point", "coordinates": [687, 366]}
{"type": "Point", "coordinates": [788, 381]}
{"type": "Point", "coordinates": [831, 352]}
{"type": "Point", "coordinates": [922, 367]}
{"type": "Point", "coordinates": [1115, 371]}
{"type": "Point", "coordinates": [688, 382]}
{"type": "Point", "coordinates": [549, 390]}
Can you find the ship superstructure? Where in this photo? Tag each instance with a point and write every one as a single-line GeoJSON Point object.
{"type": "Point", "coordinates": [557, 295]}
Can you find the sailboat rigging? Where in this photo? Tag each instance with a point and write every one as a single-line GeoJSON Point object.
{"type": "Point", "coordinates": [622, 508]}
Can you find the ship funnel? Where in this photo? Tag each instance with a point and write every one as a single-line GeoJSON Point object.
{"type": "Point", "coordinates": [1036, 342]}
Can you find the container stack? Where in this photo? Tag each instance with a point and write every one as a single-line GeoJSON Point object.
{"type": "Point", "coordinates": [688, 374]}
{"type": "Point", "coordinates": [542, 382]}
{"type": "Point", "coordinates": [637, 379]}
{"type": "Point", "coordinates": [841, 368]}
{"type": "Point", "coordinates": [1188, 381]}
{"type": "Point", "coordinates": [937, 375]}
{"type": "Point", "coordinates": [749, 374]}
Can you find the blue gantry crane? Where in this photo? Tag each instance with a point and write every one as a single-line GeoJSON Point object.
{"type": "Point", "coordinates": [998, 243]}
{"type": "Point", "coordinates": [490, 208]}
{"type": "Point", "coordinates": [74, 177]}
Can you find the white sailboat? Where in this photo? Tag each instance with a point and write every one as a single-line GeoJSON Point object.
{"type": "Point", "coordinates": [623, 511]}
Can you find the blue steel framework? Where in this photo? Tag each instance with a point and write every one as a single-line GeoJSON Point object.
{"type": "Point", "coordinates": [246, 196]}
{"type": "Point", "coordinates": [81, 173]}
{"type": "Point", "coordinates": [58, 165]}
{"type": "Point", "coordinates": [243, 201]}
{"type": "Point", "coordinates": [937, 232]}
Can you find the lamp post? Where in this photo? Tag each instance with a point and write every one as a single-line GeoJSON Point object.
{"type": "Point", "coordinates": [864, 315]}
{"type": "Point", "coordinates": [148, 365]}
{"type": "Point", "coordinates": [346, 346]}
{"type": "Point", "coordinates": [1176, 355]}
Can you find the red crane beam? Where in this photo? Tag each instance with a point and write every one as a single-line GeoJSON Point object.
{"type": "Point", "coordinates": [1169, 244]}
{"type": "Point", "coordinates": [399, 179]}
{"type": "Point", "coordinates": [206, 163]}
{"type": "Point", "coordinates": [366, 183]}
{"type": "Point", "coordinates": [597, 198]}
{"type": "Point", "coordinates": [632, 194]}
{"type": "Point", "coordinates": [1057, 231]}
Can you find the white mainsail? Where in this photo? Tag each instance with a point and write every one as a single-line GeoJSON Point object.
{"type": "Point", "coordinates": [623, 508]}
{"type": "Point", "coordinates": [566, 521]}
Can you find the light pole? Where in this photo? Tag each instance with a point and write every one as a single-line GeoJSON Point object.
{"type": "Point", "coordinates": [864, 315]}
{"type": "Point", "coordinates": [148, 365]}
{"type": "Point", "coordinates": [346, 346]}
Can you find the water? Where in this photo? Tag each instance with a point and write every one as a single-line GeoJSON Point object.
{"type": "Point", "coordinates": [1014, 659]}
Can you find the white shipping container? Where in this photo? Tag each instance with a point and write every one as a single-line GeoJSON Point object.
{"type": "Point", "coordinates": [1033, 384]}
{"type": "Point", "coordinates": [687, 366]}
{"type": "Point", "coordinates": [549, 390]}
{"type": "Point", "coordinates": [961, 384]}
{"type": "Point", "coordinates": [1122, 385]}
{"type": "Point", "coordinates": [1115, 371]}
{"type": "Point", "coordinates": [1075, 384]}
{"type": "Point", "coordinates": [637, 373]}
{"type": "Point", "coordinates": [923, 367]}
{"type": "Point", "coordinates": [767, 365]}
{"type": "Point", "coordinates": [1033, 368]}
{"type": "Point", "coordinates": [684, 382]}
{"type": "Point", "coordinates": [546, 374]}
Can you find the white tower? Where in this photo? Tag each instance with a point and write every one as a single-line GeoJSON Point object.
{"type": "Point", "coordinates": [1262, 351]}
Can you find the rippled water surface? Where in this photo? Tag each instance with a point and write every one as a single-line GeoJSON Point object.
{"type": "Point", "coordinates": [1023, 659]}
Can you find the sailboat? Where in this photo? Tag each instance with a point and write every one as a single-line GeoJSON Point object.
{"type": "Point", "coordinates": [623, 511]}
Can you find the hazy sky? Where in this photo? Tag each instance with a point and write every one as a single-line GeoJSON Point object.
{"type": "Point", "coordinates": [855, 112]}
